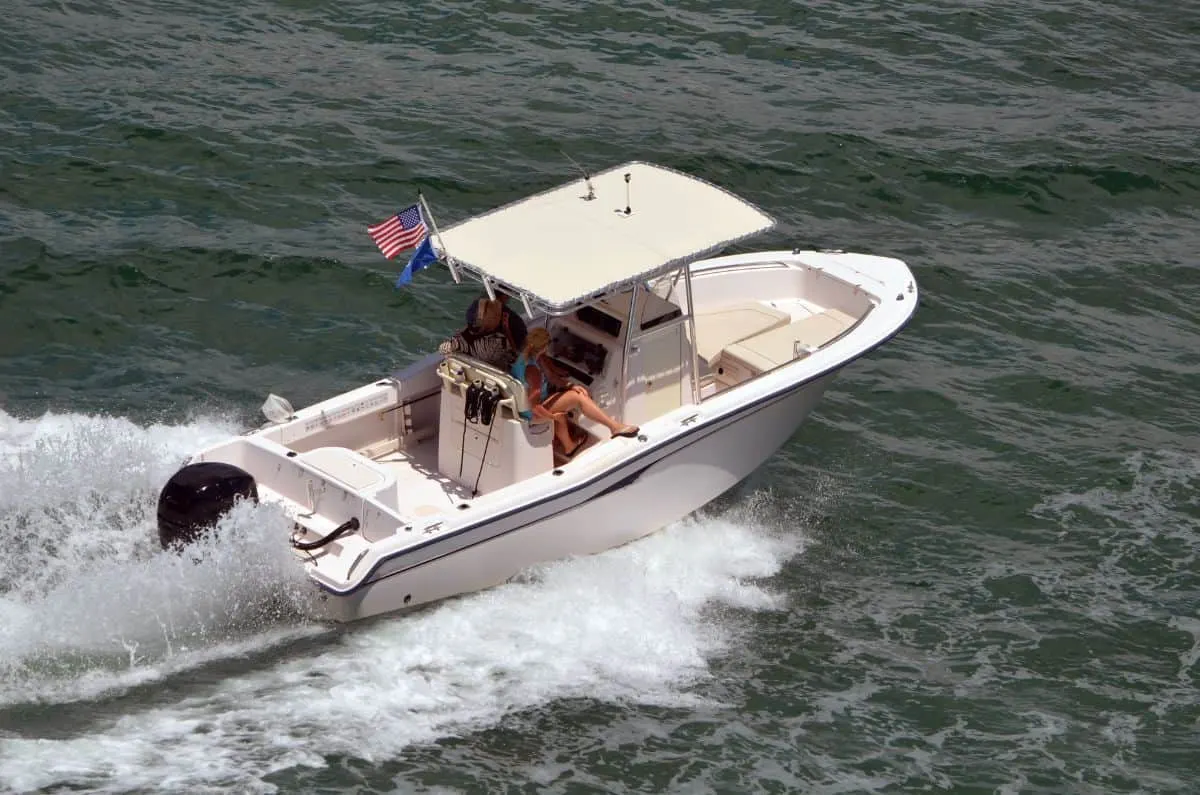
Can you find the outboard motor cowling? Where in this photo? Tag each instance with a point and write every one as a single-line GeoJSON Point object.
{"type": "Point", "coordinates": [195, 498]}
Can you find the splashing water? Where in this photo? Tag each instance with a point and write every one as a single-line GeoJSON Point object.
{"type": "Point", "coordinates": [92, 611]}
{"type": "Point", "coordinates": [632, 624]}
{"type": "Point", "coordinates": [88, 602]}
{"type": "Point", "coordinates": [74, 489]}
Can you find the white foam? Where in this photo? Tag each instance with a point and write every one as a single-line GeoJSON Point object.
{"type": "Point", "coordinates": [1189, 658]}
{"type": "Point", "coordinates": [640, 623]}
{"type": "Point", "coordinates": [633, 624]}
{"type": "Point", "coordinates": [119, 623]}
{"type": "Point", "coordinates": [1121, 729]}
{"type": "Point", "coordinates": [88, 605]}
{"type": "Point", "coordinates": [1162, 486]}
{"type": "Point", "coordinates": [76, 489]}
{"type": "Point", "coordinates": [52, 458]}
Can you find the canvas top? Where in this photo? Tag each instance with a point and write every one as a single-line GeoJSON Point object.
{"type": "Point", "coordinates": [559, 248]}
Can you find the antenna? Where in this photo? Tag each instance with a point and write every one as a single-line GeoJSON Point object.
{"type": "Point", "coordinates": [627, 208]}
{"type": "Point", "coordinates": [587, 178]}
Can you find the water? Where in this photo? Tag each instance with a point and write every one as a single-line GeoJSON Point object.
{"type": "Point", "coordinates": [974, 570]}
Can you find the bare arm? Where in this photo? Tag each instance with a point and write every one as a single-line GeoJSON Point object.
{"type": "Point", "coordinates": [455, 344]}
{"type": "Point", "coordinates": [533, 384]}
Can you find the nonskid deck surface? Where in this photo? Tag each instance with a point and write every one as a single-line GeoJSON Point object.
{"type": "Point", "coordinates": [422, 489]}
{"type": "Point", "coordinates": [796, 308]}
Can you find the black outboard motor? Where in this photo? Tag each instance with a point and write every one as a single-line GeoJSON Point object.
{"type": "Point", "coordinates": [196, 496]}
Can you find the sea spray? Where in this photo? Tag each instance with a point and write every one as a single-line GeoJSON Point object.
{"type": "Point", "coordinates": [89, 603]}
{"type": "Point", "coordinates": [637, 624]}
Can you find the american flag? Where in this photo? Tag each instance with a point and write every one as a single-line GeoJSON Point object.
{"type": "Point", "coordinates": [403, 230]}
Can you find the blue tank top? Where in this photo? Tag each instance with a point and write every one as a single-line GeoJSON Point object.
{"type": "Point", "coordinates": [518, 371]}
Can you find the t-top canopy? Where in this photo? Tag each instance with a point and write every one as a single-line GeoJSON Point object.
{"type": "Point", "coordinates": [560, 248]}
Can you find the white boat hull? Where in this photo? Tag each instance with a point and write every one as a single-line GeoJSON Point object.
{"type": "Point", "coordinates": [632, 502]}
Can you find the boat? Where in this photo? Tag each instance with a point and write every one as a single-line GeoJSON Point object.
{"type": "Point", "coordinates": [404, 492]}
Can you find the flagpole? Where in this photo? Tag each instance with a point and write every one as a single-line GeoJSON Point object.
{"type": "Point", "coordinates": [438, 235]}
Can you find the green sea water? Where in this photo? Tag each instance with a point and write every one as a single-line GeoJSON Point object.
{"type": "Point", "coordinates": [973, 570]}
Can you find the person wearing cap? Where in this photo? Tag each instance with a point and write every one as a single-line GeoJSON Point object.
{"type": "Point", "coordinates": [510, 322]}
{"type": "Point", "coordinates": [484, 338]}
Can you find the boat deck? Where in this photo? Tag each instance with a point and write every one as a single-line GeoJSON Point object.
{"type": "Point", "coordinates": [422, 489]}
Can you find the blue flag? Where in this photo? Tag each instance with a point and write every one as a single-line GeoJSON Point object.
{"type": "Point", "coordinates": [423, 257]}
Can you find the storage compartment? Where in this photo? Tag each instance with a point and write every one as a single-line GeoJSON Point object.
{"type": "Point", "coordinates": [346, 466]}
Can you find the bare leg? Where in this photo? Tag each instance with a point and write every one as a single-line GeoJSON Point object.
{"type": "Point", "coordinates": [581, 400]}
{"type": "Point", "coordinates": [562, 431]}
{"type": "Point", "coordinates": [563, 434]}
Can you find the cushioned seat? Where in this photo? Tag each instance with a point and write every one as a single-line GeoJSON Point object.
{"type": "Point", "coordinates": [718, 328]}
{"type": "Point", "coordinates": [777, 347]}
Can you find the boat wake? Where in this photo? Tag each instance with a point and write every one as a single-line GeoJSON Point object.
{"type": "Point", "coordinates": [92, 614]}
{"type": "Point", "coordinates": [88, 603]}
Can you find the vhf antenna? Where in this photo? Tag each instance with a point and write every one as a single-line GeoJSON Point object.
{"type": "Point", "coordinates": [587, 179]}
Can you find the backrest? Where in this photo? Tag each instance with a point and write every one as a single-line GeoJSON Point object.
{"type": "Point", "coordinates": [458, 370]}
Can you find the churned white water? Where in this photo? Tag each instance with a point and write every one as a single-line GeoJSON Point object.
{"type": "Point", "coordinates": [97, 620]}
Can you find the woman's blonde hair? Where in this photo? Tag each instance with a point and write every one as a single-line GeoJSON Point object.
{"type": "Point", "coordinates": [537, 340]}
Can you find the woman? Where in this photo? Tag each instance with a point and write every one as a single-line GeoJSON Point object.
{"type": "Point", "coordinates": [485, 338]}
{"type": "Point", "coordinates": [552, 403]}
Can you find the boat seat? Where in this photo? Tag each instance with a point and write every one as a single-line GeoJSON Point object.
{"type": "Point", "coordinates": [718, 328]}
{"type": "Point", "coordinates": [458, 371]}
{"type": "Point", "coordinates": [487, 457]}
{"type": "Point", "coordinates": [775, 348]}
